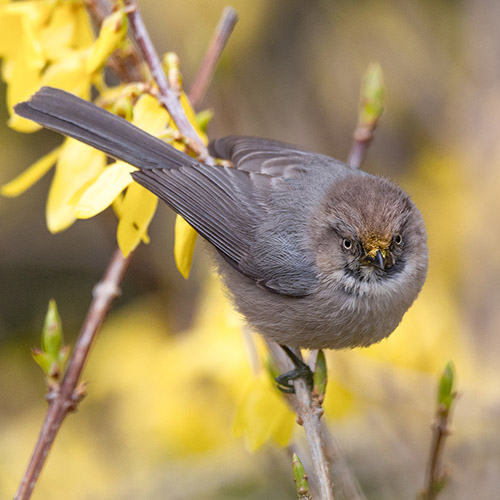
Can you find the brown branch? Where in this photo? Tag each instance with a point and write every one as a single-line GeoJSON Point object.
{"type": "Point", "coordinates": [66, 398]}
{"type": "Point", "coordinates": [309, 411]}
{"type": "Point", "coordinates": [371, 108]}
{"type": "Point", "coordinates": [363, 136]}
{"type": "Point", "coordinates": [219, 41]}
{"type": "Point", "coordinates": [167, 96]}
{"type": "Point", "coordinates": [436, 475]}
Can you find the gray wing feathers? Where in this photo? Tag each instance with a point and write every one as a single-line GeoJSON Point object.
{"type": "Point", "coordinates": [253, 154]}
{"type": "Point", "coordinates": [217, 201]}
{"type": "Point", "coordinates": [222, 204]}
{"type": "Point", "coordinates": [233, 208]}
{"type": "Point", "coordinates": [273, 158]}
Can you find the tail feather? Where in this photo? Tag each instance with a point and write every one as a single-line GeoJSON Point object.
{"type": "Point", "coordinates": [67, 114]}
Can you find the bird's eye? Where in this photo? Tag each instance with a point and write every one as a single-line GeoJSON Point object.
{"type": "Point", "coordinates": [398, 239]}
{"type": "Point", "coordinates": [347, 243]}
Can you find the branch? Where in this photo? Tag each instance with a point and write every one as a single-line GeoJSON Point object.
{"type": "Point", "coordinates": [219, 41]}
{"type": "Point", "coordinates": [436, 474]}
{"type": "Point", "coordinates": [167, 96]}
{"type": "Point", "coordinates": [309, 411]}
{"type": "Point", "coordinates": [371, 107]}
{"type": "Point", "coordinates": [65, 399]}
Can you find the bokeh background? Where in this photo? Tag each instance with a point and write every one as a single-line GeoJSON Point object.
{"type": "Point", "coordinates": [170, 368]}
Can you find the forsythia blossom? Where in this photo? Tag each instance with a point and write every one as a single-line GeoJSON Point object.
{"type": "Point", "coordinates": [48, 42]}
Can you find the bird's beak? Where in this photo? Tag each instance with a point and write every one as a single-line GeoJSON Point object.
{"type": "Point", "coordinates": [378, 260]}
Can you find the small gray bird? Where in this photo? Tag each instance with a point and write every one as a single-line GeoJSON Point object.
{"type": "Point", "coordinates": [314, 253]}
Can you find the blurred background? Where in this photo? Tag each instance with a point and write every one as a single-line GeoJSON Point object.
{"type": "Point", "coordinates": [170, 368]}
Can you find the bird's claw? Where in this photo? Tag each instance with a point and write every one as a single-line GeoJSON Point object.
{"type": "Point", "coordinates": [301, 370]}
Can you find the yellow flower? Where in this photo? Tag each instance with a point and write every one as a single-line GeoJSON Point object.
{"type": "Point", "coordinates": [48, 42]}
{"type": "Point", "coordinates": [137, 208]}
{"type": "Point", "coordinates": [185, 239]}
{"type": "Point", "coordinates": [43, 43]}
{"type": "Point", "coordinates": [77, 165]}
{"type": "Point", "coordinates": [112, 34]}
{"type": "Point", "coordinates": [263, 415]}
{"type": "Point", "coordinates": [31, 175]}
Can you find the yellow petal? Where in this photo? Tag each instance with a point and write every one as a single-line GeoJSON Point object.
{"type": "Point", "coordinates": [11, 27]}
{"type": "Point", "coordinates": [263, 415]}
{"type": "Point", "coordinates": [56, 36]}
{"type": "Point", "coordinates": [191, 115]}
{"type": "Point", "coordinates": [77, 166]}
{"type": "Point", "coordinates": [103, 191]}
{"type": "Point", "coordinates": [185, 238]}
{"type": "Point", "coordinates": [150, 115]}
{"type": "Point", "coordinates": [339, 401]}
{"type": "Point", "coordinates": [31, 175]}
{"type": "Point", "coordinates": [30, 48]}
{"type": "Point", "coordinates": [23, 81]}
{"type": "Point", "coordinates": [69, 74]}
{"type": "Point", "coordinates": [113, 32]}
{"type": "Point", "coordinates": [83, 35]}
{"type": "Point", "coordinates": [138, 208]}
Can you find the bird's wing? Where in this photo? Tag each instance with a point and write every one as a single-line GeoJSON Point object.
{"type": "Point", "coordinates": [227, 206]}
{"type": "Point", "coordinates": [264, 156]}
{"type": "Point", "coordinates": [221, 203]}
{"type": "Point", "coordinates": [231, 207]}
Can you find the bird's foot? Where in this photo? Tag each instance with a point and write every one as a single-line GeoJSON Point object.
{"type": "Point", "coordinates": [301, 370]}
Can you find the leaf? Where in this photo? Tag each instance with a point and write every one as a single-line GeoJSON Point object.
{"type": "Point", "coordinates": [446, 386]}
{"type": "Point", "coordinates": [372, 95]}
{"type": "Point", "coordinates": [52, 336]}
{"type": "Point", "coordinates": [320, 374]}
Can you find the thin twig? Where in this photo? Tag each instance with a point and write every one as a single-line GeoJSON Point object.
{"type": "Point", "coordinates": [363, 136]}
{"type": "Point", "coordinates": [219, 41]}
{"type": "Point", "coordinates": [435, 472]}
{"type": "Point", "coordinates": [446, 396]}
{"type": "Point", "coordinates": [371, 107]}
{"type": "Point", "coordinates": [309, 412]}
{"type": "Point", "coordinates": [65, 399]}
{"type": "Point", "coordinates": [167, 96]}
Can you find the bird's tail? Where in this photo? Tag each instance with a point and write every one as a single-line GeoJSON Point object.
{"type": "Point", "coordinates": [69, 115]}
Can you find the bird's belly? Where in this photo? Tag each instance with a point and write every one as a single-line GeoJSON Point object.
{"type": "Point", "coordinates": [311, 321]}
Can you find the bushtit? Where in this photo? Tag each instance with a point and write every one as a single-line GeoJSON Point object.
{"type": "Point", "coordinates": [314, 253]}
